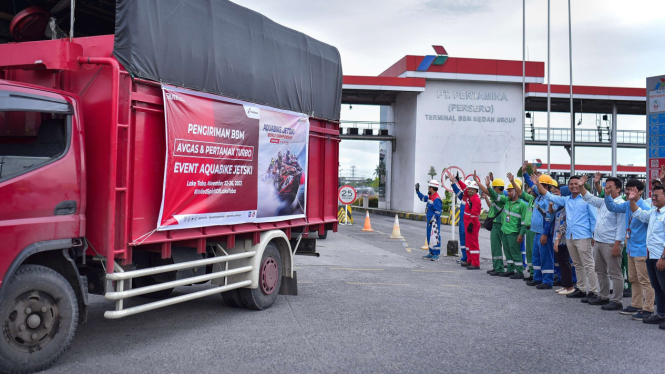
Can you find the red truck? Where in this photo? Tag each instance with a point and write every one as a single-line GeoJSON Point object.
{"type": "Point", "coordinates": [82, 155]}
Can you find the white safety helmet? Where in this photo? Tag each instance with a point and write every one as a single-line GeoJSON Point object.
{"type": "Point", "coordinates": [434, 183]}
{"type": "Point", "coordinates": [471, 184]}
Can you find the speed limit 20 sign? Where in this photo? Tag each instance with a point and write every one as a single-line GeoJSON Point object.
{"type": "Point", "coordinates": [347, 195]}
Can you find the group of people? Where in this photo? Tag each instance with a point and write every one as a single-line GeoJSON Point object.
{"type": "Point", "coordinates": [594, 248]}
{"type": "Point", "coordinates": [277, 164]}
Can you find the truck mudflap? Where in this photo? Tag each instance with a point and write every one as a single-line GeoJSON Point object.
{"type": "Point", "coordinates": [289, 285]}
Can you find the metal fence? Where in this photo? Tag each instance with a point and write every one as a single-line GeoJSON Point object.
{"type": "Point", "coordinates": [539, 134]}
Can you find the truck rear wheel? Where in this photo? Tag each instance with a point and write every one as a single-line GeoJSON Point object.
{"type": "Point", "coordinates": [270, 279]}
{"type": "Point", "coordinates": [39, 317]}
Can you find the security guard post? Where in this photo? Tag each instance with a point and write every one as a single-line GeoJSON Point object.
{"type": "Point", "coordinates": [434, 209]}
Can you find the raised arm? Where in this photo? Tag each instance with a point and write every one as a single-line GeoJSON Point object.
{"type": "Point", "coordinates": [614, 207]}
{"type": "Point", "coordinates": [517, 188]}
{"type": "Point", "coordinates": [558, 200]}
{"type": "Point", "coordinates": [421, 197]}
{"type": "Point", "coordinates": [457, 191]}
{"type": "Point", "coordinates": [486, 190]}
{"type": "Point", "coordinates": [536, 182]}
{"type": "Point", "coordinates": [596, 181]}
{"type": "Point", "coordinates": [661, 175]}
{"type": "Point", "coordinates": [453, 183]}
{"type": "Point", "coordinates": [526, 175]}
{"type": "Point", "coordinates": [580, 183]}
{"type": "Point", "coordinates": [587, 196]}
{"type": "Point", "coordinates": [638, 213]}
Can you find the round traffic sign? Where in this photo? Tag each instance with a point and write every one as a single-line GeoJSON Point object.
{"type": "Point", "coordinates": [347, 195]}
{"type": "Point", "coordinates": [445, 182]}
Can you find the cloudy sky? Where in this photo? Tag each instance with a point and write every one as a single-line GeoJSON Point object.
{"type": "Point", "coordinates": [615, 43]}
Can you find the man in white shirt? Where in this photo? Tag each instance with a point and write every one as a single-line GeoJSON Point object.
{"type": "Point", "coordinates": [609, 234]}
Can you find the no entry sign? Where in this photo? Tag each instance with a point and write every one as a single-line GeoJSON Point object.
{"type": "Point", "coordinates": [447, 184]}
{"type": "Point", "coordinates": [347, 195]}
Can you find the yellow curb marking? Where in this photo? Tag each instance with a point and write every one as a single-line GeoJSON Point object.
{"type": "Point", "coordinates": [356, 269]}
{"type": "Point", "coordinates": [378, 284]}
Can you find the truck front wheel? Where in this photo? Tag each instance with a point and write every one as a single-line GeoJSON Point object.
{"type": "Point", "coordinates": [270, 279]}
{"type": "Point", "coordinates": [39, 317]}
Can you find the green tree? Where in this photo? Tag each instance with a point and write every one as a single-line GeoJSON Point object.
{"type": "Point", "coordinates": [380, 169]}
{"type": "Point", "coordinates": [431, 172]}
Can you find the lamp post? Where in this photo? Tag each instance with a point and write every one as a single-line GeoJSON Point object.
{"type": "Point", "coordinates": [549, 68]}
{"type": "Point", "coordinates": [572, 111]}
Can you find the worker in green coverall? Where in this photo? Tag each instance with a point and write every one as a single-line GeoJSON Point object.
{"type": "Point", "coordinates": [496, 235]}
{"type": "Point", "coordinates": [530, 198]}
{"type": "Point", "coordinates": [511, 225]}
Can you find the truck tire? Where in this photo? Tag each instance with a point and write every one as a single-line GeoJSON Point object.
{"type": "Point", "coordinates": [232, 299]}
{"type": "Point", "coordinates": [270, 279]}
{"type": "Point", "coordinates": [39, 317]}
{"type": "Point", "coordinates": [324, 235]}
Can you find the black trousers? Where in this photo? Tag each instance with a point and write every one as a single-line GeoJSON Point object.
{"type": "Point", "coordinates": [563, 258]}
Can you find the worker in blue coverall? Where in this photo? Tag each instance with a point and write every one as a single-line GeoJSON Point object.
{"type": "Point", "coordinates": [462, 228]}
{"type": "Point", "coordinates": [543, 251]}
{"type": "Point", "coordinates": [434, 210]}
{"type": "Point", "coordinates": [564, 191]}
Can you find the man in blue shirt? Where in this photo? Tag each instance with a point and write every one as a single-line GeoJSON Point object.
{"type": "Point", "coordinates": [581, 220]}
{"type": "Point", "coordinates": [636, 238]}
{"type": "Point", "coordinates": [655, 244]}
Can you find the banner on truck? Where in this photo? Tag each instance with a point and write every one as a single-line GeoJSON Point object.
{"type": "Point", "coordinates": [231, 162]}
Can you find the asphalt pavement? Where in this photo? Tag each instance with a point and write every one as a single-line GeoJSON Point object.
{"type": "Point", "coordinates": [370, 304]}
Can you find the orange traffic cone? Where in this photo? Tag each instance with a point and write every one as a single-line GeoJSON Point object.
{"type": "Point", "coordinates": [368, 226]}
{"type": "Point", "coordinates": [426, 246]}
{"type": "Point", "coordinates": [396, 234]}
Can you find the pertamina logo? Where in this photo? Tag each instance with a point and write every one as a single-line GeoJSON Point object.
{"type": "Point", "coordinates": [251, 111]}
{"type": "Point", "coordinates": [438, 60]}
{"type": "Point", "coordinates": [660, 85]}
{"type": "Point", "coordinates": [172, 96]}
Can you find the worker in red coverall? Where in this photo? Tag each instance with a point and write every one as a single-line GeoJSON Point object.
{"type": "Point", "coordinates": [472, 222]}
